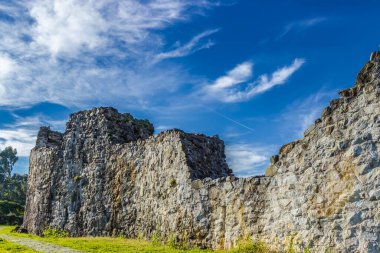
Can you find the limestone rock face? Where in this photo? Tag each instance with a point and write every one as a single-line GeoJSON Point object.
{"type": "Point", "coordinates": [108, 175]}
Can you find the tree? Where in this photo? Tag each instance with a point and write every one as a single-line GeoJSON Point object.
{"type": "Point", "coordinates": [8, 158]}
{"type": "Point", "coordinates": [12, 189]}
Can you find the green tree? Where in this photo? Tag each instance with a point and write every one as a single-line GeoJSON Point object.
{"type": "Point", "coordinates": [12, 189]}
{"type": "Point", "coordinates": [8, 158]}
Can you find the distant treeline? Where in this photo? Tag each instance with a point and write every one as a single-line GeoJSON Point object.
{"type": "Point", "coordinates": [12, 189]}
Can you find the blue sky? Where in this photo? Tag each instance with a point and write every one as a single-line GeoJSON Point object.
{"type": "Point", "coordinates": [256, 73]}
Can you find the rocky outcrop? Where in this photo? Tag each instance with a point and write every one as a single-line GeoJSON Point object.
{"type": "Point", "coordinates": [108, 175]}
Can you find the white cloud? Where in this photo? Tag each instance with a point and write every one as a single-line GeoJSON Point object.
{"type": "Point", "coordinates": [67, 26]}
{"type": "Point", "coordinates": [298, 116]}
{"type": "Point", "coordinates": [240, 74]}
{"type": "Point", "coordinates": [36, 121]}
{"type": "Point", "coordinates": [22, 133]}
{"type": "Point", "coordinates": [237, 86]}
{"type": "Point", "coordinates": [73, 84]}
{"type": "Point", "coordinates": [301, 25]}
{"type": "Point", "coordinates": [252, 159]}
{"type": "Point", "coordinates": [21, 139]}
{"type": "Point", "coordinates": [189, 48]}
{"type": "Point", "coordinates": [71, 26]}
{"type": "Point", "coordinates": [277, 78]}
{"type": "Point", "coordinates": [248, 159]}
{"type": "Point", "coordinates": [7, 66]}
{"type": "Point", "coordinates": [85, 53]}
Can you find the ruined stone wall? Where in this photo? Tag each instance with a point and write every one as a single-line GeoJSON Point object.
{"type": "Point", "coordinates": [325, 188]}
{"type": "Point", "coordinates": [107, 175]}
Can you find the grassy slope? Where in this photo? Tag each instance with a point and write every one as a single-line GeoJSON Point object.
{"type": "Point", "coordinates": [121, 245]}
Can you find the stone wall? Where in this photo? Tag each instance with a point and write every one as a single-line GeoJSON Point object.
{"type": "Point", "coordinates": [108, 175]}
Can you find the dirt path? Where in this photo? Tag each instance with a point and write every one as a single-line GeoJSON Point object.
{"type": "Point", "coordinates": [38, 245]}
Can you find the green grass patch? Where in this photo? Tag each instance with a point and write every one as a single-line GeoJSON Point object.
{"type": "Point", "coordinates": [103, 244]}
{"type": "Point", "coordinates": [249, 246]}
{"type": "Point", "coordinates": [10, 247]}
{"type": "Point", "coordinates": [123, 245]}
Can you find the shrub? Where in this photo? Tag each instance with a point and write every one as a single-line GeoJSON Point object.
{"type": "Point", "coordinates": [156, 239]}
{"type": "Point", "coordinates": [122, 235]}
{"type": "Point", "coordinates": [306, 250]}
{"type": "Point", "coordinates": [291, 244]}
{"type": "Point", "coordinates": [173, 183]}
{"type": "Point", "coordinates": [249, 246]}
{"type": "Point", "coordinates": [184, 246]}
{"type": "Point", "coordinates": [55, 233]}
{"type": "Point", "coordinates": [140, 236]}
{"type": "Point", "coordinates": [172, 242]}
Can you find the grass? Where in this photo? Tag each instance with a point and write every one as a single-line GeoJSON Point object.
{"type": "Point", "coordinates": [9, 247]}
{"type": "Point", "coordinates": [101, 244]}
{"type": "Point", "coordinates": [121, 245]}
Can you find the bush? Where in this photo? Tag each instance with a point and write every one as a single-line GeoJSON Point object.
{"type": "Point", "coordinates": [172, 242]}
{"type": "Point", "coordinates": [290, 245]}
{"type": "Point", "coordinates": [306, 250]}
{"type": "Point", "coordinates": [140, 236]}
{"type": "Point", "coordinates": [249, 246]}
{"type": "Point", "coordinates": [156, 239]}
{"type": "Point", "coordinates": [173, 183]}
{"type": "Point", "coordinates": [11, 213]}
{"type": "Point", "coordinates": [55, 233]}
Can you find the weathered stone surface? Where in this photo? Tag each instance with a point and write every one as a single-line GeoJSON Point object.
{"type": "Point", "coordinates": [107, 175]}
{"type": "Point", "coordinates": [47, 138]}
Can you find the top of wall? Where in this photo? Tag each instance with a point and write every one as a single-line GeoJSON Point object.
{"type": "Point", "coordinates": [366, 83]}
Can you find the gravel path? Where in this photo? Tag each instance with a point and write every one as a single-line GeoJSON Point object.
{"type": "Point", "coordinates": [38, 245]}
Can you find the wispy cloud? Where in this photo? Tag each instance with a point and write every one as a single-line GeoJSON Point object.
{"type": "Point", "coordinates": [237, 85]}
{"type": "Point", "coordinates": [21, 139]}
{"type": "Point", "coordinates": [240, 74]}
{"type": "Point", "coordinates": [71, 26]}
{"type": "Point", "coordinates": [301, 25]}
{"type": "Point", "coordinates": [194, 45]}
{"type": "Point", "coordinates": [85, 53]}
{"type": "Point", "coordinates": [277, 78]}
{"type": "Point", "coordinates": [299, 115]}
{"type": "Point", "coordinates": [22, 133]}
{"type": "Point", "coordinates": [7, 66]}
{"type": "Point", "coordinates": [248, 159]}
